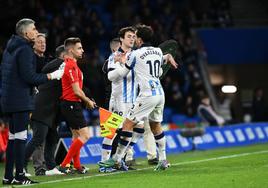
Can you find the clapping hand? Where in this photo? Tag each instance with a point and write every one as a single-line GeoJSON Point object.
{"type": "Point", "coordinates": [58, 73]}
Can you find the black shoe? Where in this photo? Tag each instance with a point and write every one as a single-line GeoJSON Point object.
{"type": "Point", "coordinates": [40, 172]}
{"type": "Point", "coordinates": [66, 169]}
{"type": "Point", "coordinates": [153, 161]}
{"type": "Point", "coordinates": [23, 181]}
{"type": "Point", "coordinates": [81, 170]}
{"type": "Point", "coordinates": [7, 181]}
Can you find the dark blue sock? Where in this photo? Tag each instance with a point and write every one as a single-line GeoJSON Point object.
{"type": "Point", "coordinates": [19, 157]}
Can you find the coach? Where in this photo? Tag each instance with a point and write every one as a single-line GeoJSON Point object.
{"type": "Point", "coordinates": [18, 80]}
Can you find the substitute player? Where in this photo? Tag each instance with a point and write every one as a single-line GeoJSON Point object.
{"type": "Point", "coordinates": [146, 62]}
{"type": "Point", "coordinates": [123, 95]}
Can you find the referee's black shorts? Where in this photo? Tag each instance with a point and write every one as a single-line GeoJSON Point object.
{"type": "Point", "coordinates": [73, 114]}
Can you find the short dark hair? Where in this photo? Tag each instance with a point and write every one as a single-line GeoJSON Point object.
{"type": "Point", "coordinates": [145, 33]}
{"type": "Point", "coordinates": [71, 42]}
{"type": "Point", "coordinates": [59, 50]}
{"type": "Point", "coordinates": [122, 32]}
{"type": "Point", "coordinates": [113, 42]}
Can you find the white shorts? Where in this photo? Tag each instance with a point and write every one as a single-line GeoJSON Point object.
{"type": "Point", "coordinates": [118, 107]}
{"type": "Point", "coordinates": [150, 107]}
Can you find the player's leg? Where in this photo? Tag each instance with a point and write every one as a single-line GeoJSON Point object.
{"type": "Point", "coordinates": [155, 119]}
{"type": "Point", "coordinates": [138, 113]}
{"type": "Point", "coordinates": [138, 131]}
{"type": "Point", "coordinates": [106, 148]}
{"type": "Point", "coordinates": [125, 138]}
{"type": "Point", "coordinates": [73, 114]}
{"type": "Point", "coordinates": [107, 142]}
{"type": "Point", "coordinates": [160, 139]}
{"type": "Point", "coordinates": [149, 143]}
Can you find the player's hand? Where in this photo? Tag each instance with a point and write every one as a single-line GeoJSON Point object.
{"type": "Point", "coordinates": [58, 73]}
{"type": "Point", "coordinates": [123, 58]}
{"type": "Point", "coordinates": [120, 57]}
{"type": "Point", "coordinates": [90, 104]}
{"type": "Point", "coordinates": [117, 57]}
{"type": "Point", "coordinates": [172, 62]}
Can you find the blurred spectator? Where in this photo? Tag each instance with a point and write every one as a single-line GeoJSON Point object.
{"type": "Point", "coordinates": [208, 115]}
{"type": "Point", "coordinates": [190, 107]}
{"type": "Point", "coordinates": [258, 106]}
{"type": "Point", "coordinates": [3, 139]}
{"type": "Point", "coordinates": [225, 107]}
{"type": "Point", "coordinates": [97, 22]}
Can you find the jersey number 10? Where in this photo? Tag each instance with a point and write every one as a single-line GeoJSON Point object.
{"type": "Point", "coordinates": [154, 68]}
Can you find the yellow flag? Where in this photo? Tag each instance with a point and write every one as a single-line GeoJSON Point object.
{"type": "Point", "coordinates": [109, 122]}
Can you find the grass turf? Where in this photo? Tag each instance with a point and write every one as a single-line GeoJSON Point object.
{"type": "Point", "coordinates": [240, 167]}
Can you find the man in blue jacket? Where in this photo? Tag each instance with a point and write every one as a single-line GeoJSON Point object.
{"type": "Point", "coordinates": [18, 80]}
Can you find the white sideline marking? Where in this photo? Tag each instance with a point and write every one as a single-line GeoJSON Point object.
{"type": "Point", "coordinates": [141, 169]}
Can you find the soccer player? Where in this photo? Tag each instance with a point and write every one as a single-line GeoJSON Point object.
{"type": "Point", "coordinates": [114, 46]}
{"type": "Point", "coordinates": [71, 105]}
{"type": "Point", "coordinates": [146, 63]}
{"type": "Point", "coordinates": [124, 92]}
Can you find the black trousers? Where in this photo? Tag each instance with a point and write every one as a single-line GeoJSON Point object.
{"type": "Point", "coordinates": [43, 134]}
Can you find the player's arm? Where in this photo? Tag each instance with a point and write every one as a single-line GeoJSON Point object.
{"type": "Point", "coordinates": [119, 70]}
{"type": "Point", "coordinates": [113, 68]}
{"type": "Point", "coordinates": [79, 93]}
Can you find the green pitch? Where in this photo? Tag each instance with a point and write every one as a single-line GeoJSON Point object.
{"type": "Point", "coordinates": [228, 167]}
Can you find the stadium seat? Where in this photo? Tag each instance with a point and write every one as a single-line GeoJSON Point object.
{"type": "Point", "coordinates": [192, 133]}
{"type": "Point", "coordinates": [167, 115]}
{"type": "Point", "coordinates": [178, 119]}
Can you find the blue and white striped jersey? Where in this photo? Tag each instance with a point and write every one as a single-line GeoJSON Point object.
{"type": "Point", "coordinates": [124, 89]}
{"type": "Point", "coordinates": [146, 63]}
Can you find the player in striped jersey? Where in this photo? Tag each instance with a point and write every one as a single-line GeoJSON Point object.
{"type": "Point", "coordinates": [124, 92]}
{"type": "Point", "coordinates": [146, 63]}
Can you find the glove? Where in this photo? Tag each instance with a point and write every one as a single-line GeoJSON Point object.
{"type": "Point", "coordinates": [58, 73]}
